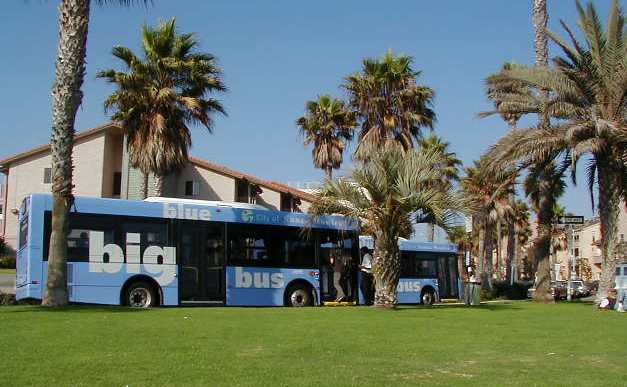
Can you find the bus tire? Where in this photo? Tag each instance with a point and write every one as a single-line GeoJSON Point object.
{"type": "Point", "coordinates": [299, 295]}
{"type": "Point", "coordinates": [427, 296]}
{"type": "Point", "coordinates": [141, 294]}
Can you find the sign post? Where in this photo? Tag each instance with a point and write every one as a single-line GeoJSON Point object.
{"type": "Point", "coordinates": [570, 221]}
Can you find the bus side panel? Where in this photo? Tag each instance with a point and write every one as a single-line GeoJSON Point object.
{"type": "Point", "coordinates": [101, 283]}
{"type": "Point", "coordinates": [409, 289]}
{"type": "Point", "coordinates": [260, 286]}
{"type": "Point", "coordinates": [110, 295]}
{"type": "Point", "coordinates": [30, 280]}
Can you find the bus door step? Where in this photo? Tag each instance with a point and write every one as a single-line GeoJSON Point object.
{"type": "Point", "coordinates": [341, 303]}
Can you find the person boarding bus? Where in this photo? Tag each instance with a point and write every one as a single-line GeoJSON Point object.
{"type": "Point", "coordinates": [365, 272]}
{"type": "Point", "coordinates": [337, 262]}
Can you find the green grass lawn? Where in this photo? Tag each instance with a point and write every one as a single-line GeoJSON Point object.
{"type": "Point", "coordinates": [499, 344]}
{"type": "Point", "coordinates": [7, 271]}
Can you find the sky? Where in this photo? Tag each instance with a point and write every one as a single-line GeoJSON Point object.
{"type": "Point", "coordinates": [275, 56]}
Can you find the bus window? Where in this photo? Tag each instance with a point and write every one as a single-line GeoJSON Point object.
{"type": "Point", "coordinates": [151, 232]}
{"type": "Point", "coordinates": [300, 251]}
{"type": "Point", "coordinates": [78, 238]}
{"type": "Point", "coordinates": [257, 245]}
{"type": "Point", "coordinates": [427, 268]}
{"type": "Point", "coordinates": [408, 264]}
{"type": "Point", "coordinates": [336, 243]}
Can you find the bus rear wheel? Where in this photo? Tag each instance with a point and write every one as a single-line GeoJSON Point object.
{"type": "Point", "coordinates": [299, 296]}
{"type": "Point", "coordinates": [427, 297]}
{"type": "Point", "coordinates": [141, 295]}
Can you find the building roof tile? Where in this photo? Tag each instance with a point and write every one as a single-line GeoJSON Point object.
{"type": "Point", "coordinates": [275, 186]}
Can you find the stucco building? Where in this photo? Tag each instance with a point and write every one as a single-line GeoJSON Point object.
{"type": "Point", "coordinates": [101, 169]}
{"type": "Point", "coordinates": [587, 249]}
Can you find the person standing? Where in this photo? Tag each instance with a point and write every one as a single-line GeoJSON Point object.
{"type": "Point", "coordinates": [338, 269]}
{"type": "Point", "coordinates": [365, 271]}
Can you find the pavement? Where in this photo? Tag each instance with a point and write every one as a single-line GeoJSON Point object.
{"type": "Point", "coordinates": [7, 283]}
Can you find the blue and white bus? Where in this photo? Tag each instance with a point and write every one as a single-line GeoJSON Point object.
{"type": "Point", "coordinates": [428, 271]}
{"type": "Point", "coordinates": [188, 252]}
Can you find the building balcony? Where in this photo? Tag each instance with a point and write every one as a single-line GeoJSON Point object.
{"type": "Point", "coordinates": [596, 258]}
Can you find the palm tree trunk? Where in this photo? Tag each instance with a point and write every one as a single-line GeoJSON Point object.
{"type": "Point", "coordinates": [430, 232]}
{"type": "Point", "coordinates": [511, 243]}
{"type": "Point", "coordinates": [499, 252]}
{"type": "Point", "coordinates": [386, 271]}
{"type": "Point", "coordinates": [488, 255]}
{"type": "Point", "coordinates": [144, 186]}
{"type": "Point", "coordinates": [541, 45]}
{"type": "Point", "coordinates": [480, 257]}
{"type": "Point", "coordinates": [158, 185]}
{"type": "Point", "coordinates": [515, 264]}
{"type": "Point", "coordinates": [541, 250]}
{"type": "Point", "coordinates": [328, 170]}
{"type": "Point", "coordinates": [540, 22]}
{"type": "Point", "coordinates": [67, 96]}
{"type": "Point", "coordinates": [609, 202]}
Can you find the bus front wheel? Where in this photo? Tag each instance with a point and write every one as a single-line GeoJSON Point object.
{"type": "Point", "coordinates": [141, 295]}
{"type": "Point", "coordinates": [427, 297]}
{"type": "Point", "coordinates": [299, 296]}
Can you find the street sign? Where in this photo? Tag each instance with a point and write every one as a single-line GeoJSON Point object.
{"type": "Point", "coordinates": [571, 220]}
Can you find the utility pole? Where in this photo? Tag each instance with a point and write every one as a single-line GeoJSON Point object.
{"type": "Point", "coordinates": [571, 255]}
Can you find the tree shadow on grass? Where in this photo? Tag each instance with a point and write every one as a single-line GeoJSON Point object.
{"type": "Point", "coordinates": [484, 306]}
{"type": "Point", "coordinates": [71, 309]}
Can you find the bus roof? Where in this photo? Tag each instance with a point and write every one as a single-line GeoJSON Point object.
{"type": "Point", "coordinates": [408, 245]}
{"type": "Point", "coordinates": [198, 210]}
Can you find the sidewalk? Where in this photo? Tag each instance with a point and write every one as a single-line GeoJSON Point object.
{"type": "Point", "coordinates": [7, 283]}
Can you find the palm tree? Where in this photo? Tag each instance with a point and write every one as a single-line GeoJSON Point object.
{"type": "Point", "coordinates": [488, 190]}
{"type": "Point", "coordinates": [510, 98]}
{"type": "Point", "coordinates": [522, 233]}
{"type": "Point", "coordinates": [390, 104]}
{"type": "Point", "coordinates": [66, 98]}
{"type": "Point", "coordinates": [588, 92]}
{"type": "Point", "coordinates": [328, 124]}
{"type": "Point", "coordinates": [160, 95]}
{"type": "Point", "coordinates": [384, 193]}
{"type": "Point", "coordinates": [543, 186]}
{"type": "Point", "coordinates": [449, 167]}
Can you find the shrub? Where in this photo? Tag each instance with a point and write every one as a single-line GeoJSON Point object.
{"type": "Point", "coordinates": [3, 246]}
{"type": "Point", "coordinates": [503, 289]}
{"type": "Point", "coordinates": [7, 262]}
{"type": "Point", "coordinates": [487, 295]}
{"type": "Point", "coordinates": [7, 299]}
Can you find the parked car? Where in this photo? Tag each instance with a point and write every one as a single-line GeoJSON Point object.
{"type": "Point", "coordinates": [580, 289]}
{"type": "Point", "coordinates": [558, 290]}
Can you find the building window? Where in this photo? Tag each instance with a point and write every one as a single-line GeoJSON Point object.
{"type": "Point", "coordinates": [117, 183]}
{"type": "Point", "coordinates": [47, 175]}
{"type": "Point", "coordinates": [241, 191]}
{"type": "Point", "coordinates": [191, 188]}
{"type": "Point", "coordinates": [576, 252]}
{"type": "Point", "coordinates": [290, 203]}
{"type": "Point", "coordinates": [622, 238]}
{"type": "Point", "coordinates": [246, 192]}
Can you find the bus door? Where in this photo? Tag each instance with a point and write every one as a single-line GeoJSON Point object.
{"type": "Point", "coordinates": [447, 276]}
{"type": "Point", "coordinates": [345, 247]}
{"type": "Point", "coordinates": [201, 262]}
